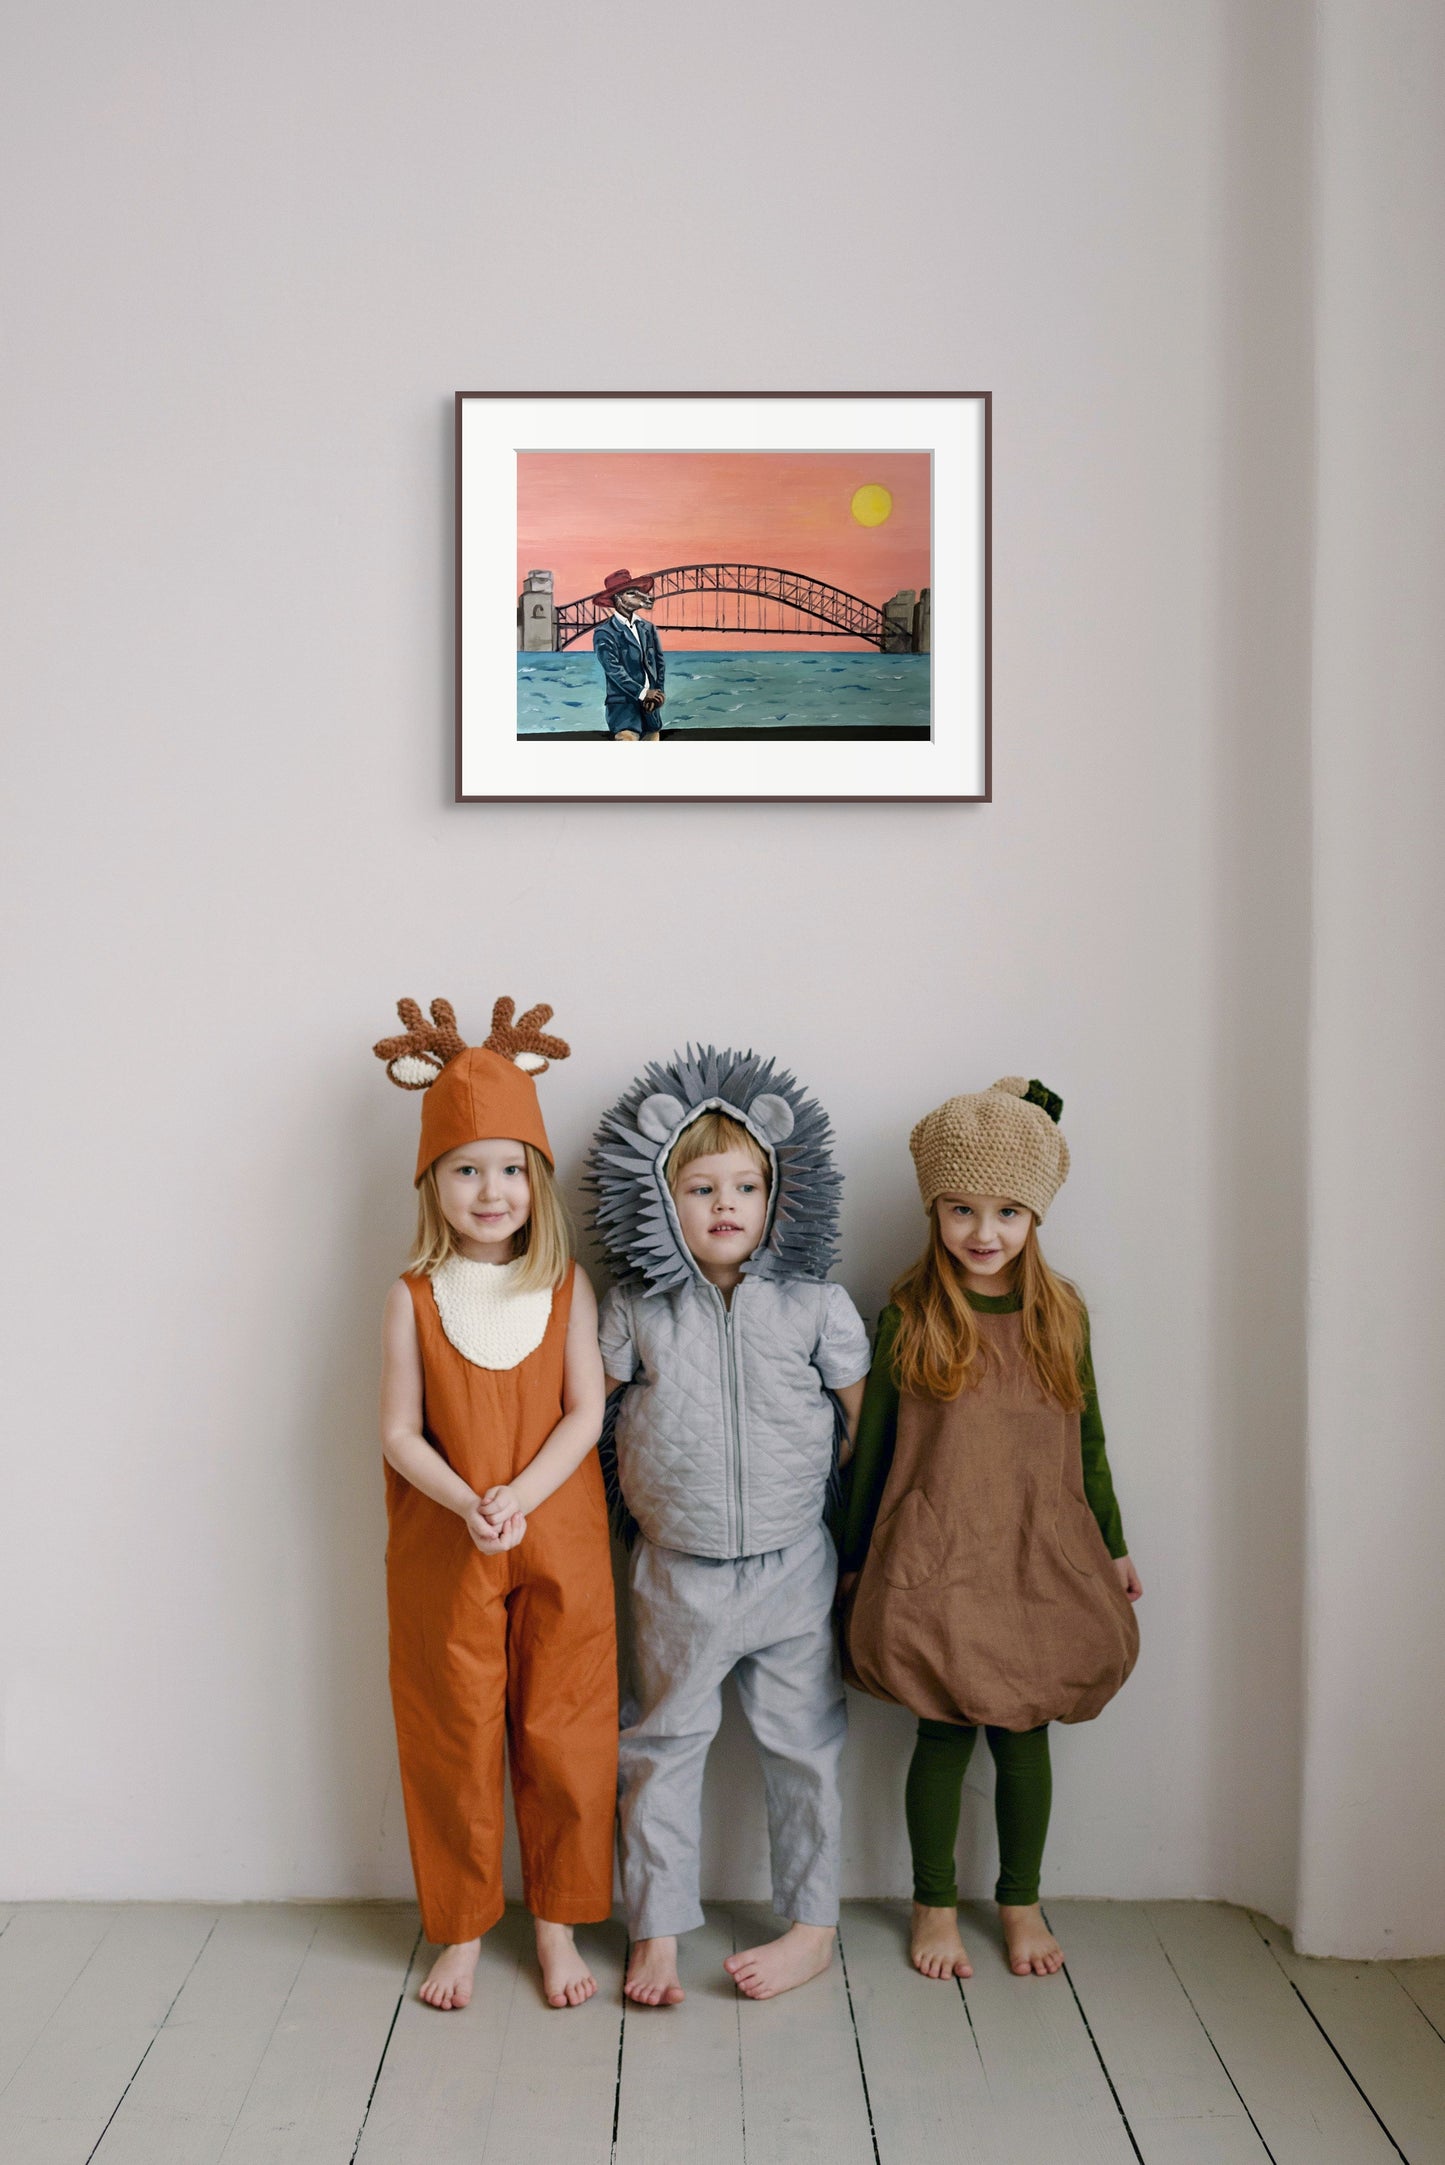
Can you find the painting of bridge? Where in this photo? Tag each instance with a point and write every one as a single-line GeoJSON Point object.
{"type": "Point", "coordinates": [753, 600]}
{"type": "Point", "coordinates": [814, 624]}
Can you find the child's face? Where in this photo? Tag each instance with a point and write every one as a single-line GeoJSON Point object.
{"type": "Point", "coordinates": [985, 1233]}
{"type": "Point", "coordinates": [722, 1207]}
{"type": "Point", "coordinates": [485, 1196]}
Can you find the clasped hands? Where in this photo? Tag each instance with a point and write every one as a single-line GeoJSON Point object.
{"type": "Point", "coordinates": [496, 1521]}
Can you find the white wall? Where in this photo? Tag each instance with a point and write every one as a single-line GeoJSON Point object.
{"type": "Point", "coordinates": [256, 250]}
{"type": "Point", "coordinates": [1372, 1862]}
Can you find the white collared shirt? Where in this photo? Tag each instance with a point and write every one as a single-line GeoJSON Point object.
{"type": "Point", "coordinates": [629, 624]}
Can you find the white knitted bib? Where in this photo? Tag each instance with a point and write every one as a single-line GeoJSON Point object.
{"type": "Point", "coordinates": [490, 1323]}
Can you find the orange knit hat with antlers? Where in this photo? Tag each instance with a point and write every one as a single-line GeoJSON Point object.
{"type": "Point", "coordinates": [473, 1092]}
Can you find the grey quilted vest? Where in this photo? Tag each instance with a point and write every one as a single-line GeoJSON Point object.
{"type": "Point", "coordinates": [724, 1439]}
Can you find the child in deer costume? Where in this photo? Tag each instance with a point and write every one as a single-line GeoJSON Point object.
{"type": "Point", "coordinates": [499, 1584]}
{"type": "Point", "coordinates": [718, 1204]}
{"type": "Point", "coordinates": [990, 1580]}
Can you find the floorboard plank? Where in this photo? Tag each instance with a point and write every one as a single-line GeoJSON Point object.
{"type": "Point", "coordinates": [184, 2101]}
{"type": "Point", "coordinates": [310, 2094]}
{"type": "Point", "coordinates": [56, 2105]}
{"type": "Point", "coordinates": [1050, 2096]}
{"type": "Point", "coordinates": [926, 2082]}
{"type": "Point", "coordinates": [434, 2096]}
{"type": "Point", "coordinates": [1179, 2101]}
{"type": "Point", "coordinates": [803, 2096]}
{"type": "Point", "coordinates": [559, 2096]}
{"type": "Point", "coordinates": [1425, 1983]}
{"type": "Point", "coordinates": [1300, 2098]}
{"type": "Point", "coordinates": [1397, 2059]}
{"type": "Point", "coordinates": [43, 1952]}
{"type": "Point", "coordinates": [681, 2093]}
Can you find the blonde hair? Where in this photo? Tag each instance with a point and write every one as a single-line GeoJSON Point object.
{"type": "Point", "coordinates": [544, 1243]}
{"type": "Point", "coordinates": [939, 1350]}
{"type": "Point", "coordinates": [712, 1135]}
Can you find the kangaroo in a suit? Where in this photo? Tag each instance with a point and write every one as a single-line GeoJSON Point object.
{"type": "Point", "coordinates": [630, 652]}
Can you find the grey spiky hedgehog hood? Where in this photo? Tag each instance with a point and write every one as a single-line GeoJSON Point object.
{"type": "Point", "coordinates": [634, 1216]}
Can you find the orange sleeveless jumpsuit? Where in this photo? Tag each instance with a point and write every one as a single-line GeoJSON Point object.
{"type": "Point", "coordinates": [522, 1644]}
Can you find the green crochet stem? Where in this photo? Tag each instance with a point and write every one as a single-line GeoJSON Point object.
{"type": "Point", "coordinates": [1039, 1093]}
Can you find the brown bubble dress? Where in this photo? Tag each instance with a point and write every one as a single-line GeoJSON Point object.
{"type": "Point", "coordinates": [517, 1650]}
{"type": "Point", "coordinates": [986, 1592]}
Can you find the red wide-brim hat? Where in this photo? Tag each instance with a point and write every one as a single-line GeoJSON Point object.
{"type": "Point", "coordinates": [618, 582]}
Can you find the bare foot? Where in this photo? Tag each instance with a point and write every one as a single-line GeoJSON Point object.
{"type": "Point", "coordinates": [652, 1978]}
{"type": "Point", "coordinates": [803, 1951]}
{"type": "Point", "coordinates": [566, 1979]}
{"type": "Point", "coordinates": [449, 1980]}
{"type": "Point", "coordinates": [1032, 1949]}
{"type": "Point", "coordinates": [934, 1945]}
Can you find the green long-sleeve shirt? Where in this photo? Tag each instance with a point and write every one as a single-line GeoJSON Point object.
{"type": "Point", "coordinates": [872, 1458]}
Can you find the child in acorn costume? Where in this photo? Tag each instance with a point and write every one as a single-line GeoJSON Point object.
{"type": "Point", "coordinates": [985, 1572]}
{"type": "Point", "coordinates": [499, 1583]}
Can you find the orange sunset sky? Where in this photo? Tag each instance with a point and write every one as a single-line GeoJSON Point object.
{"type": "Point", "coordinates": [583, 514]}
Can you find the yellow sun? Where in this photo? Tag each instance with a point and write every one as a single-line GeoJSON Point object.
{"type": "Point", "coordinates": [871, 504]}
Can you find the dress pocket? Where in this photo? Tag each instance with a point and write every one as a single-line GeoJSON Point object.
{"type": "Point", "coordinates": [911, 1542]}
{"type": "Point", "coordinates": [1080, 1542]}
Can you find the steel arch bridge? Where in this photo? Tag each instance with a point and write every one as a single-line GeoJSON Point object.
{"type": "Point", "coordinates": [830, 613]}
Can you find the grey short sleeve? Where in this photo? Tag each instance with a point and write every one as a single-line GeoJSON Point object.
{"type": "Point", "coordinates": [614, 1336]}
{"type": "Point", "coordinates": [841, 1355]}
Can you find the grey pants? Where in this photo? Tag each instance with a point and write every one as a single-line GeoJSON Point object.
{"type": "Point", "coordinates": [769, 1621]}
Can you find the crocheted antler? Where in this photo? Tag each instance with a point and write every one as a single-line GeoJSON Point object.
{"type": "Point", "coordinates": [414, 1061]}
{"type": "Point", "coordinates": [524, 1042]}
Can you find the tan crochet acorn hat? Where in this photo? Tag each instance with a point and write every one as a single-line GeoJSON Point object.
{"type": "Point", "coordinates": [1001, 1141]}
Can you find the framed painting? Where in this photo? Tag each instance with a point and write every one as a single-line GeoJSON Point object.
{"type": "Point", "coordinates": [741, 595]}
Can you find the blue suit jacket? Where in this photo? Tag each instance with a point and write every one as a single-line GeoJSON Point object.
{"type": "Point", "coordinates": [622, 665]}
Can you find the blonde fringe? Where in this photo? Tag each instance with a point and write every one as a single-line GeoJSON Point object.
{"type": "Point", "coordinates": [712, 1135]}
{"type": "Point", "coordinates": [939, 1350]}
{"type": "Point", "coordinates": [544, 1244]}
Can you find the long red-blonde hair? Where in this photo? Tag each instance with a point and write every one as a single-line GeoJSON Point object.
{"type": "Point", "coordinates": [939, 1350]}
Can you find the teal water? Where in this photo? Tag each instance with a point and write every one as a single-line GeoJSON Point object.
{"type": "Point", "coordinates": [708, 689]}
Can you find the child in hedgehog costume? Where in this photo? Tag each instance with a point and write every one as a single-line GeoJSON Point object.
{"type": "Point", "coordinates": [717, 1201]}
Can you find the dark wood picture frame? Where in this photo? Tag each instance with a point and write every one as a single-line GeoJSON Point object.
{"type": "Point", "coordinates": [981, 759]}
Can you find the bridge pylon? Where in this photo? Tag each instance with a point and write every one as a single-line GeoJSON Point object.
{"type": "Point", "coordinates": [537, 614]}
{"type": "Point", "coordinates": [898, 621]}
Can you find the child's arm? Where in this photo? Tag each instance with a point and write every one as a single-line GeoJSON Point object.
{"type": "Point", "coordinates": [1099, 1482]}
{"type": "Point", "coordinates": [840, 1356]}
{"type": "Point", "coordinates": [877, 1434]}
{"type": "Point", "coordinates": [850, 1398]}
{"type": "Point", "coordinates": [403, 1443]}
{"type": "Point", "coordinates": [583, 1401]}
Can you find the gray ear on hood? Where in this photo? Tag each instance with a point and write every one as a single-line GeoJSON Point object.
{"type": "Point", "coordinates": [772, 1117]}
{"type": "Point", "coordinates": [658, 1115]}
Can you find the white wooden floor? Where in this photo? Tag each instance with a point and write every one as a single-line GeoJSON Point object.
{"type": "Point", "coordinates": [1180, 2034]}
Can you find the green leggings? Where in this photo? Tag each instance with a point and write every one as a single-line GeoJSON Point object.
{"type": "Point", "coordinates": [1023, 1790]}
